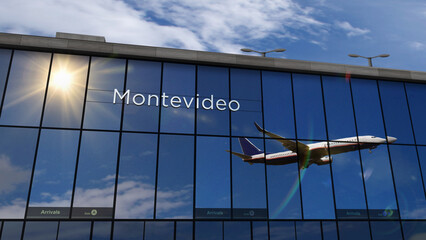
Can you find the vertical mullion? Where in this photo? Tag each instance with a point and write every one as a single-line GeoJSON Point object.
{"type": "Point", "coordinates": [264, 144]}
{"type": "Point", "coordinates": [6, 82]}
{"type": "Point", "coordinates": [230, 146]}
{"type": "Point", "coordinates": [195, 147]}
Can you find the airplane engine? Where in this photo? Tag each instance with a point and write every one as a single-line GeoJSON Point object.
{"type": "Point", "coordinates": [324, 160]}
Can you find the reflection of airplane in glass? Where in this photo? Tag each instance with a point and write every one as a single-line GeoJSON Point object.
{"type": "Point", "coordinates": [307, 154]}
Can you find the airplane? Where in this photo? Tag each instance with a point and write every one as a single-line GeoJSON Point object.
{"type": "Point", "coordinates": [306, 154]}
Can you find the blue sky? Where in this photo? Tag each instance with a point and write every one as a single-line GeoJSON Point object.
{"type": "Point", "coordinates": [313, 30]}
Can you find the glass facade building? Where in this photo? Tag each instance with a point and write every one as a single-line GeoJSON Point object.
{"type": "Point", "coordinates": [97, 147]}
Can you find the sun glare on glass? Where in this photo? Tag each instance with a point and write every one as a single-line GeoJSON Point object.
{"type": "Point", "coordinates": [62, 80]}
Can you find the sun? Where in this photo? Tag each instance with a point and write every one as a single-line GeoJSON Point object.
{"type": "Point", "coordinates": [62, 80]}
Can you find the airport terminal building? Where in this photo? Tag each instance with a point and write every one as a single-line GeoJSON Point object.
{"type": "Point", "coordinates": [112, 141]}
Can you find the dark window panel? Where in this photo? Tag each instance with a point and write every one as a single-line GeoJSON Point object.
{"type": "Point", "coordinates": [23, 105]}
{"type": "Point", "coordinates": [278, 103]}
{"type": "Point", "coordinates": [208, 230]}
{"type": "Point", "coordinates": [354, 230]}
{"type": "Point", "coordinates": [65, 93]}
{"type": "Point", "coordinates": [246, 89]}
{"type": "Point", "coordinates": [17, 149]}
{"type": "Point", "coordinates": [175, 177]}
{"type": "Point", "coordinates": [106, 74]}
{"type": "Point", "coordinates": [74, 230]}
{"type": "Point", "coordinates": [395, 111]}
{"type": "Point", "coordinates": [408, 182]}
{"type": "Point", "coordinates": [422, 157]}
{"type": "Point", "coordinates": [143, 77]}
{"type": "Point", "coordinates": [178, 80]}
{"type": "Point", "coordinates": [260, 230]}
{"type": "Point", "coordinates": [339, 110]}
{"type": "Point", "coordinates": [11, 230]}
{"type": "Point", "coordinates": [309, 107]}
{"type": "Point", "coordinates": [159, 231]}
{"type": "Point", "coordinates": [136, 182]}
{"type": "Point", "coordinates": [101, 230]}
{"type": "Point", "coordinates": [184, 231]}
{"type": "Point", "coordinates": [414, 230]}
{"type": "Point", "coordinates": [237, 230]}
{"type": "Point", "coordinates": [283, 186]}
{"type": "Point", "coordinates": [417, 97]}
{"type": "Point", "coordinates": [128, 230]}
{"type": "Point", "coordinates": [282, 230]}
{"type": "Point", "coordinates": [40, 230]}
{"type": "Point", "coordinates": [329, 231]}
{"type": "Point", "coordinates": [386, 230]}
{"type": "Point", "coordinates": [308, 230]}
{"type": "Point", "coordinates": [213, 81]}
{"type": "Point", "coordinates": [4, 67]}
{"type": "Point", "coordinates": [213, 178]}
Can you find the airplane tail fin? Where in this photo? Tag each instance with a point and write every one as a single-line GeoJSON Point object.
{"type": "Point", "coordinates": [248, 147]}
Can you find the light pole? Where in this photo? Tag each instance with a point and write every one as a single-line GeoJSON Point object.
{"type": "Point", "coordinates": [262, 53]}
{"type": "Point", "coordinates": [370, 63]}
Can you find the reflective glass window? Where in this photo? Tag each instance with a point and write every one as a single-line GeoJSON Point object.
{"type": "Point", "coordinates": [213, 85]}
{"type": "Point", "coordinates": [11, 230]}
{"type": "Point", "coordinates": [94, 190]}
{"type": "Point", "coordinates": [422, 159]}
{"type": "Point", "coordinates": [106, 74]}
{"type": "Point", "coordinates": [179, 100]}
{"type": "Point", "coordinates": [278, 103]}
{"type": "Point", "coordinates": [281, 230]}
{"type": "Point", "coordinates": [159, 231]}
{"type": "Point", "coordinates": [23, 105]}
{"type": "Point", "coordinates": [208, 230]}
{"type": "Point", "coordinates": [40, 230]}
{"type": "Point", "coordinates": [246, 90]}
{"type": "Point", "coordinates": [136, 182]}
{"type": "Point", "coordinates": [416, 94]}
{"type": "Point", "coordinates": [283, 183]}
{"type": "Point", "coordinates": [368, 111]}
{"type": "Point", "coordinates": [213, 184]}
{"type": "Point", "coordinates": [408, 182]}
{"type": "Point", "coordinates": [395, 111]}
{"type": "Point", "coordinates": [65, 93]}
{"type": "Point", "coordinates": [308, 230]}
{"type": "Point", "coordinates": [386, 230]}
{"type": "Point", "coordinates": [128, 230]}
{"type": "Point", "coordinates": [101, 230]}
{"type": "Point", "coordinates": [414, 230]}
{"type": "Point", "coordinates": [354, 230]}
{"type": "Point", "coordinates": [339, 110]}
{"type": "Point", "coordinates": [260, 230]}
{"type": "Point", "coordinates": [144, 82]}
{"type": "Point", "coordinates": [310, 122]}
{"type": "Point", "coordinates": [236, 230]}
{"type": "Point", "coordinates": [175, 177]}
{"type": "Point", "coordinates": [74, 230]}
{"type": "Point", "coordinates": [17, 150]}
{"type": "Point", "coordinates": [329, 231]}
{"type": "Point", "coordinates": [4, 68]}
{"type": "Point", "coordinates": [248, 180]}
{"type": "Point", "coordinates": [183, 231]}
{"type": "Point", "coordinates": [54, 174]}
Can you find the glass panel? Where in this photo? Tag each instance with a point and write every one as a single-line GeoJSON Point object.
{"type": "Point", "coordinates": [23, 105]}
{"type": "Point", "coordinates": [368, 112]}
{"type": "Point", "coordinates": [136, 182]}
{"type": "Point", "coordinates": [417, 97]}
{"type": "Point", "coordinates": [395, 110]}
{"type": "Point", "coordinates": [283, 184]}
{"type": "Point", "coordinates": [128, 230]}
{"type": "Point", "coordinates": [101, 231]}
{"type": "Point", "coordinates": [208, 230]}
{"type": "Point", "coordinates": [422, 157]}
{"type": "Point", "coordinates": [175, 177]}
{"type": "Point", "coordinates": [246, 90]}
{"type": "Point", "coordinates": [159, 231]}
{"type": "Point", "coordinates": [212, 117]}
{"type": "Point", "coordinates": [65, 95]}
{"type": "Point", "coordinates": [308, 230]}
{"type": "Point", "coordinates": [17, 149]}
{"type": "Point", "coordinates": [347, 178]}
{"type": "Point", "coordinates": [260, 230]}
{"type": "Point", "coordinates": [386, 230]}
{"type": "Point", "coordinates": [106, 74]}
{"type": "Point", "coordinates": [414, 230]}
{"type": "Point", "coordinates": [248, 180]}
{"type": "Point", "coordinates": [408, 182]}
{"type": "Point", "coordinates": [281, 231]}
{"type": "Point", "coordinates": [54, 174]}
{"type": "Point", "coordinates": [178, 84]}
{"type": "Point", "coordinates": [354, 230]}
{"type": "Point", "coordinates": [183, 230]}
{"type": "Point", "coordinates": [74, 230]}
{"type": "Point", "coordinates": [339, 110]}
{"type": "Point", "coordinates": [379, 183]}
{"type": "Point", "coordinates": [94, 191]}
{"type": "Point", "coordinates": [144, 78]}
{"type": "Point", "coordinates": [329, 231]}
{"type": "Point", "coordinates": [4, 67]}
{"type": "Point", "coordinates": [11, 230]}
{"type": "Point", "coordinates": [237, 230]}
{"type": "Point", "coordinates": [40, 231]}
{"type": "Point", "coordinates": [213, 184]}
{"type": "Point", "coordinates": [317, 192]}
{"type": "Point", "coordinates": [278, 103]}
{"type": "Point", "coordinates": [309, 110]}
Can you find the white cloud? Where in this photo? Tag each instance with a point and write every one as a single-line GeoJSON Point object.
{"type": "Point", "coordinates": [417, 45]}
{"type": "Point", "coordinates": [11, 176]}
{"type": "Point", "coordinates": [351, 31]}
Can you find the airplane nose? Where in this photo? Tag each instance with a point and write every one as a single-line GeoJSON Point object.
{"type": "Point", "coordinates": [391, 139]}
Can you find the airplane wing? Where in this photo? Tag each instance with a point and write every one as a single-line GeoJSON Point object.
{"type": "Point", "coordinates": [293, 146]}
